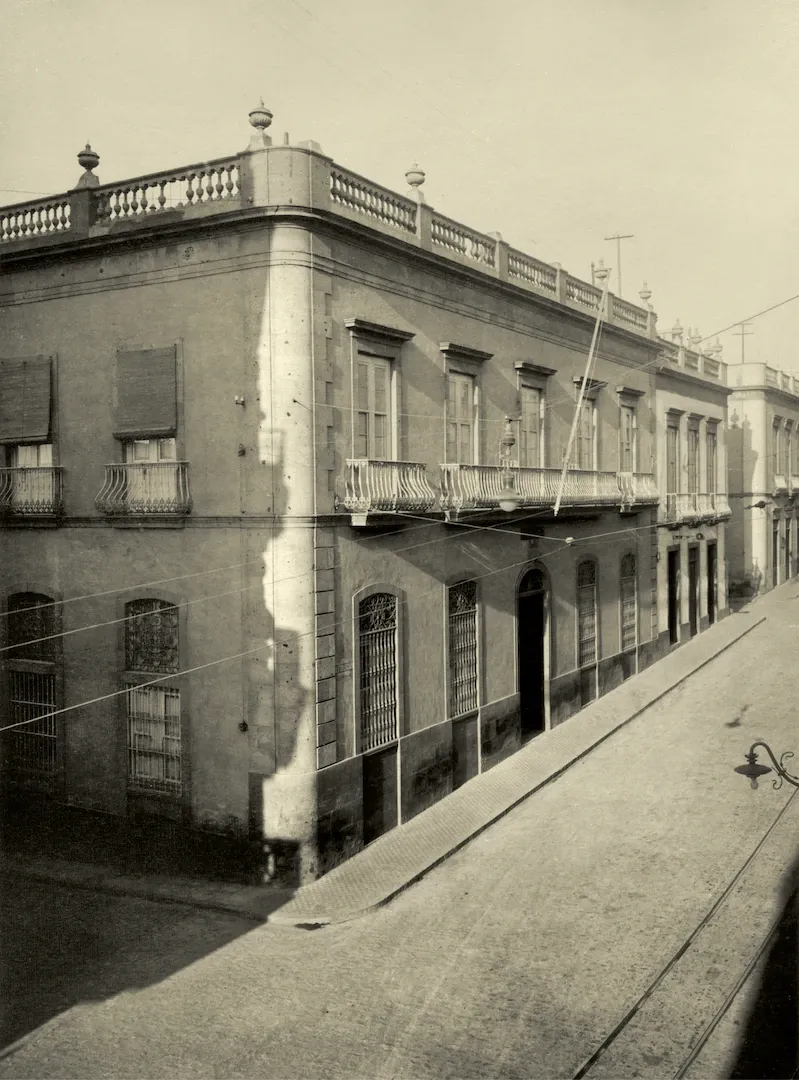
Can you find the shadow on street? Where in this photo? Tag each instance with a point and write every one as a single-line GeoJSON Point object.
{"type": "Point", "coordinates": [63, 946]}
{"type": "Point", "coordinates": [769, 1047]}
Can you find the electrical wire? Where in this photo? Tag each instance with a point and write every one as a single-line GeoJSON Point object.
{"type": "Point", "coordinates": [250, 652]}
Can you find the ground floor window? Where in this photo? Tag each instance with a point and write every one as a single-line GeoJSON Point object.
{"type": "Point", "coordinates": [377, 654]}
{"type": "Point", "coordinates": [154, 739]}
{"type": "Point", "coordinates": [462, 647]}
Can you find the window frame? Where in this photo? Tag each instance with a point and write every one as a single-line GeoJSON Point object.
{"type": "Point", "coordinates": [378, 588]}
{"type": "Point", "coordinates": [674, 424]}
{"type": "Point", "coordinates": [594, 562]}
{"type": "Point", "coordinates": [51, 781]}
{"type": "Point", "coordinates": [473, 709]}
{"type": "Point", "coordinates": [385, 343]}
{"type": "Point", "coordinates": [172, 803]}
{"type": "Point", "coordinates": [465, 361]}
{"type": "Point", "coordinates": [712, 429]}
{"type": "Point", "coordinates": [635, 624]}
{"type": "Point", "coordinates": [121, 438]}
{"type": "Point", "coordinates": [530, 376]}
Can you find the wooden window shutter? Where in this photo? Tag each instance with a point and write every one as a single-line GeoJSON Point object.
{"type": "Point", "coordinates": [146, 393]}
{"type": "Point", "coordinates": [25, 399]}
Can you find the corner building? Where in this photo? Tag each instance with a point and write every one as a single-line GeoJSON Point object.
{"type": "Point", "coordinates": [764, 478]}
{"type": "Point", "coordinates": [259, 417]}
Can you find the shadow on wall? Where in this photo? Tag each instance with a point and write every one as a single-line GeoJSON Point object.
{"type": "Point", "coordinates": [769, 1045]}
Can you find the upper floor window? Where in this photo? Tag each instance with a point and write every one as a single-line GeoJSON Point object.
{"type": "Point", "coordinates": [785, 455]}
{"type": "Point", "coordinates": [377, 632]}
{"type": "Point", "coordinates": [25, 400]}
{"type": "Point", "coordinates": [373, 417]}
{"type": "Point", "coordinates": [461, 419]}
{"type": "Point", "coordinates": [693, 457]}
{"type": "Point", "coordinates": [586, 613]}
{"type": "Point", "coordinates": [151, 636]}
{"type": "Point", "coordinates": [673, 484]}
{"type": "Point", "coordinates": [585, 439]}
{"type": "Point", "coordinates": [531, 401]}
{"type": "Point", "coordinates": [146, 394]}
{"type": "Point", "coordinates": [375, 355]}
{"type": "Point", "coordinates": [776, 429]}
{"type": "Point", "coordinates": [711, 446]}
{"type": "Point", "coordinates": [628, 439]}
{"type": "Point", "coordinates": [462, 647]}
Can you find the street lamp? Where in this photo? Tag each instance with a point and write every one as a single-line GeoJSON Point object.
{"type": "Point", "coordinates": [753, 770]}
{"type": "Point", "coordinates": [508, 497]}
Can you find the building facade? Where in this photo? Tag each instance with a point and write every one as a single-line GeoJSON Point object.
{"type": "Point", "coordinates": [764, 478]}
{"type": "Point", "coordinates": [691, 404]}
{"type": "Point", "coordinates": [283, 452]}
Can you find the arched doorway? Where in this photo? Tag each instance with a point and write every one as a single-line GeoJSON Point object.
{"type": "Point", "coordinates": [531, 630]}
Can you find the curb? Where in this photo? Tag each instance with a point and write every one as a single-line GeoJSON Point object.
{"type": "Point", "coordinates": [309, 921]}
{"type": "Point", "coordinates": [314, 921]}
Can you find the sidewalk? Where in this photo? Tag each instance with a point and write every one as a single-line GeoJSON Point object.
{"type": "Point", "coordinates": [404, 855]}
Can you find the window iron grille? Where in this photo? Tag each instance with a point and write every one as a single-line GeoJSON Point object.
{"type": "Point", "coordinates": [462, 617]}
{"type": "Point", "coordinates": [154, 739]}
{"type": "Point", "coordinates": [586, 612]}
{"type": "Point", "coordinates": [151, 637]}
{"type": "Point", "coordinates": [629, 604]}
{"type": "Point", "coordinates": [33, 745]}
{"type": "Point", "coordinates": [377, 644]}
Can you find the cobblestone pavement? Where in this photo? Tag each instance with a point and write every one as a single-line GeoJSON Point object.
{"type": "Point", "coordinates": [599, 929]}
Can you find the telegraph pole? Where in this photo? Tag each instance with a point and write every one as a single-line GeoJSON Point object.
{"type": "Point", "coordinates": [743, 333]}
{"type": "Point", "coordinates": [618, 237]}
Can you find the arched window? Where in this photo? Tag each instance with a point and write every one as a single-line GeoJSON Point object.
{"type": "Point", "coordinates": [586, 613]}
{"type": "Point", "coordinates": [32, 744]}
{"type": "Point", "coordinates": [628, 600]}
{"type": "Point", "coordinates": [152, 646]}
{"type": "Point", "coordinates": [377, 654]}
{"type": "Point", "coordinates": [462, 647]}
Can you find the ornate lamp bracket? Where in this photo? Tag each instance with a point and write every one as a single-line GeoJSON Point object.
{"type": "Point", "coordinates": [753, 770]}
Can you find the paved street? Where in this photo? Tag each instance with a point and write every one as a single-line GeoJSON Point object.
{"type": "Point", "coordinates": [601, 929]}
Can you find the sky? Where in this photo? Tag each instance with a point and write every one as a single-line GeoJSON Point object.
{"type": "Point", "coordinates": [554, 122]}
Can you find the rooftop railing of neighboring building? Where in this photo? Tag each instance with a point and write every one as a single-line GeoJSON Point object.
{"type": "Point", "coordinates": [297, 176]}
{"type": "Point", "coordinates": [702, 362]}
{"type": "Point", "coordinates": [754, 375]}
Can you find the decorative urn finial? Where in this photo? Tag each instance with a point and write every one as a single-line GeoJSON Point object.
{"type": "Point", "coordinates": [260, 116]}
{"type": "Point", "coordinates": [717, 349]}
{"type": "Point", "coordinates": [88, 159]}
{"type": "Point", "coordinates": [415, 177]}
{"type": "Point", "coordinates": [677, 332]}
{"type": "Point", "coordinates": [601, 272]}
{"type": "Point", "coordinates": [646, 295]}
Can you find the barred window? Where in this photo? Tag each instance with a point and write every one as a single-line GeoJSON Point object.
{"type": "Point", "coordinates": [154, 739]}
{"type": "Point", "coordinates": [151, 636]}
{"type": "Point", "coordinates": [377, 646]}
{"type": "Point", "coordinates": [629, 603]}
{"type": "Point", "coordinates": [462, 625]}
{"type": "Point", "coordinates": [31, 626]}
{"type": "Point", "coordinates": [586, 612]}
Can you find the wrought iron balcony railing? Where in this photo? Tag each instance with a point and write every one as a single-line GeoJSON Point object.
{"type": "Point", "coordinates": [31, 492]}
{"type": "Point", "coordinates": [478, 487]}
{"type": "Point", "coordinates": [146, 488]}
{"type": "Point", "coordinates": [696, 506]}
{"type": "Point", "coordinates": [387, 487]}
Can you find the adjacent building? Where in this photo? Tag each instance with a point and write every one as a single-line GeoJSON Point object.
{"type": "Point", "coordinates": [280, 543]}
{"type": "Point", "coordinates": [764, 477]}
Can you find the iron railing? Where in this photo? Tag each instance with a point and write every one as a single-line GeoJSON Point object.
{"type": "Point", "coordinates": [478, 487]}
{"type": "Point", "coordinates": [35, 491]}
{"type": "Point", "coordinates": [386, 486]}
{"type": "Point", "coordinates": [156, 488]}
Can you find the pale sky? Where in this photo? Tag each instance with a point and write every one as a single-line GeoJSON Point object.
{"type": "Point", "coordinates": [554, 122]}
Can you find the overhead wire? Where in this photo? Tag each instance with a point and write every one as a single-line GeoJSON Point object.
{"type": "Point", "coordinates": [260, 648]}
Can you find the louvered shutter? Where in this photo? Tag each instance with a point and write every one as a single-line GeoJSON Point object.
{"type": "Point", "coordinates": [25, 399]}
{"type": "Point", "coordinates": [146, 393]}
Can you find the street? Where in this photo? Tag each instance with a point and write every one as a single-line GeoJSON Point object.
{"type": "Point", "coordinates": [604, 928]}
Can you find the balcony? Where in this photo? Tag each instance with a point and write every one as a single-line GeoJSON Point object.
{"type": "Point", "coordinates": [638, 489]}
{"type": "Point", "coordinates": [31, 492]}
{"type": "Point", "coordinates": [478, 487]}
{"type": "Point", "coordinates": [387, 487]}
{"type": "Point", "coordinates": [696, 506]}
{"type": "Point", "coordinates": [146, 489]}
